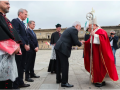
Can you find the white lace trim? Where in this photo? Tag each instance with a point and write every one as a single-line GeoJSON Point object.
{"type": "Point", "coordinates": [8, 67]}
{"type": "Point", "coordinates": [53, 54]}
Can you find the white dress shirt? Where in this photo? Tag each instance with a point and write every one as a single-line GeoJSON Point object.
{"type": "Point", "coordinates": [111, 42]}
{"type": "Point", "coordinates": [19, 19]}
{"type": "Point", "coordinates": [21, 22]}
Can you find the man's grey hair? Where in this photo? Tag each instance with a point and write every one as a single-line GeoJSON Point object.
{"type": "Point", "coordinates": [21, 10]}
{"type": "Point", "coordinates": [30, 22]}
{"type": "Point", "coordinates": [76, 23]}
{"type": "Point", "coordinates": [112, 31]}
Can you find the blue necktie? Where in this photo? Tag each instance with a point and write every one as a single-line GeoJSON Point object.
{"type": "Point", "coordinates": [33, 32]}
{"type": "Point", "coordinates": [23, 24]}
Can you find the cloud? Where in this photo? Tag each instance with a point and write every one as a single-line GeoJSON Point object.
{"type": "Point", "coordinates": [47, 14]}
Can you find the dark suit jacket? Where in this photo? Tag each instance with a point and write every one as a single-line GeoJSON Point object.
{"type": "Point", "coordinates": [32, 40]}
{"type": "Point", "coordinates": [87, 36]}
{"type": "Point", "coordinates": [115, 40]}
{"type": "Point", "coordinates": [21, 31]}
{"type": "Point", "coordinates": [68, 39]}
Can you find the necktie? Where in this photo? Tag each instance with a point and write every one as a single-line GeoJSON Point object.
{"type": "Point", "coordinates": [23, 24]}
{"type": "Point", "coordinates": [33, 32]}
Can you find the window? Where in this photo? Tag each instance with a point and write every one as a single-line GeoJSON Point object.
{"type": "Point", "coordinates": [48, 36]}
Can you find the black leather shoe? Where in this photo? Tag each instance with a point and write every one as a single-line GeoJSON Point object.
{"type": "Point", "coordinates": [66, 85]}
{"type": "Point", "coordinates": [98, 84]}
{"type": "Point", "coordinates": [29, 80]}
{"type": "Point", "coordinates": [103, 83]}
{"type": "Point", "coordinates": [24, 85]}
{"type": "Point", "coordinates": [34, 76]}
{"type": "Point", "coordinates": [58, 81]}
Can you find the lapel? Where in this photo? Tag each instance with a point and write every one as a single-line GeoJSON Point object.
{"type": "Point", "coordinates": [21, 25]}
{"type": "Point", "coordinates": [32, 33]}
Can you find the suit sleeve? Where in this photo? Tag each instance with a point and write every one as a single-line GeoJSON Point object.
{"type": "Point", "coordinates": [74, 35]}
{"type": "Point", "coordinates": [16, 26]}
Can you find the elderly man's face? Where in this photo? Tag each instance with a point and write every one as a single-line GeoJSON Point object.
{"type": "Point", "coordinates": [78, 27]}
{"type": "Point", "coordinates": [4, 6]}
{"type": "Point", "coordinates": [32, 25]}
{"type": "Point", "coordinates": [94, 26]}
{"type": "Point", "coordinates": [23, 15]}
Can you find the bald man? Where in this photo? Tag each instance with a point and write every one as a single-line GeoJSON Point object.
{"type": "Point", "coordinates": [8, 35]}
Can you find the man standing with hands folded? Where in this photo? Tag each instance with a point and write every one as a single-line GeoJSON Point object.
{"type": "Point", "coordinates": [21, 59]}
{"type": "Point", "coordinates": [29, 73]}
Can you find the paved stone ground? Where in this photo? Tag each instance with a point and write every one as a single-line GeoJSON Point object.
{"type": "Point", "coordinates": [77, 73]}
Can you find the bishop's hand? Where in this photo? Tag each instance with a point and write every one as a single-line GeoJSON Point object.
{"type": "Point", "coordinates": [92, 33]}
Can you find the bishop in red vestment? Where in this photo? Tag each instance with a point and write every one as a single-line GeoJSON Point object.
{"type": "Point", "coordinates": [103, 59]}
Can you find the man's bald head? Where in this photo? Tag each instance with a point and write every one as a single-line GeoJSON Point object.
{"type": "Point", "coordinates": [4, 6]}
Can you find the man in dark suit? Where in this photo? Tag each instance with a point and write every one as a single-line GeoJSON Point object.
{"type": "Point", "coordinates": [20, 59]}
{"type": "Point", "coordinates": [29, 72]}
{"type": "Point", "coordinates": [63, 47]}
{"type": "Point", "coordinates": [113, 42]}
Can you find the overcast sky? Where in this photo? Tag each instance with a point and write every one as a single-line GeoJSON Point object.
{"type": "Point", "coordinates": [47, 14]}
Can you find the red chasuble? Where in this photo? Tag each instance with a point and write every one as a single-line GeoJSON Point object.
{"type": "Point", "coordinates": [103, 59]}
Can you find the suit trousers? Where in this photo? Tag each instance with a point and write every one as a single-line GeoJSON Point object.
{"type": "Point", "coordinates": [30, 61]}
{"type": "Point", "coordinates": [62, 67]}
{"type": "Point", "coordinates": [20, 60]}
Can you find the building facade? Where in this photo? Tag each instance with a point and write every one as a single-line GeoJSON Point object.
{"type": "Point", "coordinates": [44, 35]}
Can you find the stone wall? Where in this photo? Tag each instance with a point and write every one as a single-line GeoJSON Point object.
{"type": "Point", "coordinates": [44, 35]}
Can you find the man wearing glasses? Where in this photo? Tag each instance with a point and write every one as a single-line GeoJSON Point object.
{"type": "Point", "coordinates": [113, 42]}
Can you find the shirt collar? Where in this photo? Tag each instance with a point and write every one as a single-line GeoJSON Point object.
{"type": "Point", "coordinates": [30, 28]}
{"type": "Point", "coordinates": [19, 19]}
